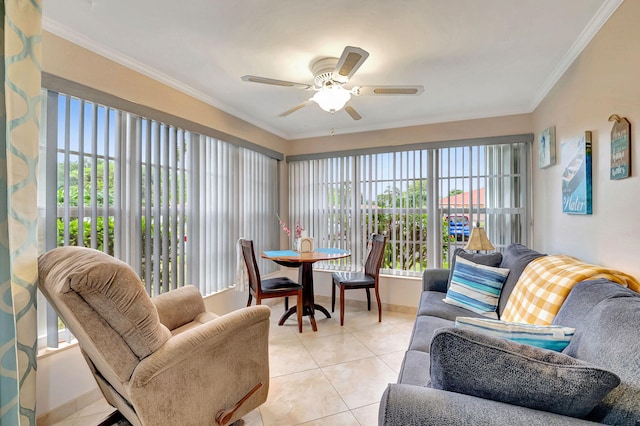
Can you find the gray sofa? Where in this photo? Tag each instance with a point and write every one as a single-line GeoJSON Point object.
{"type": "Point", "coordinates": [606, 318]}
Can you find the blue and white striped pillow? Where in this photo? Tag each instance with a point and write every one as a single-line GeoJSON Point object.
{"type": "Point", "coordinates": [476, 287]}
{"type": "Point", "coordinates": [553, 337]}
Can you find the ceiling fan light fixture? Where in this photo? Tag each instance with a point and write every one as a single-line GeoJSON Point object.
{"type": "Point", "coordinates": [332, 98]}
{"type": "Point", "coordinates": [330, 75]}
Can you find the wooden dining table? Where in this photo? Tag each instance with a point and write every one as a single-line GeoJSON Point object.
{"type": "Point", "coordinates": [304, 262]}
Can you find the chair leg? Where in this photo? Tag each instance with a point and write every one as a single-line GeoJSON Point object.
{"type": "Point", "coordinates": [379, 305]}
{"type": "Point", "coordinates": [286, 303]}
{"type": "Point", "coordinates": [333, 296]}
{"type": "Point", "coordinates": [299, 309]}
{"type": "Point", "coordinates": [250, 299]}
{"type": "Point", "coordinates": [368, 299]}
{"type": "Point", "coordinates": [341, 305]}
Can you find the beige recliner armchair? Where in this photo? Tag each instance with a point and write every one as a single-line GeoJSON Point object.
{"type": "Point", "coordinates": [162, 360]}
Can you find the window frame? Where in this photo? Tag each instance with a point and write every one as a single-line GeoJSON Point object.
{"type": "Point", "coordinates": [250, 159]}
{"type": "Point", "coordinates": [303, 170]}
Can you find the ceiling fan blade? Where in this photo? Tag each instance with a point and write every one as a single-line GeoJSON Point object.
{"type": "Point", "coordinates": [283, 83]}
{"type": "Point", "coordinates": [352, 112]}
{"type": "Point", "coordinates": [294, 109]}
{"type": "Point", "coordinates": [349, 62]}
{"type": "Point", "coordinates": [388, 90]}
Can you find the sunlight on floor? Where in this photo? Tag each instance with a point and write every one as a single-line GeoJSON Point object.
{"type": "Point", "coordinates": [334, 376]}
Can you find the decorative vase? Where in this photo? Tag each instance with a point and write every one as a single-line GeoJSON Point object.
{"type": "Point", "coordinates": [303, 244]}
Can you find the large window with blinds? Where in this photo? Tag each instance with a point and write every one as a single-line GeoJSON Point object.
{"type": "Point", "coordinates": [426, 200]}
{"type": "Point", "coordinates": [168, 201]}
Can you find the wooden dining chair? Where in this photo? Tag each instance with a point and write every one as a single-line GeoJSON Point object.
{"type": "Point", "coordinates": [366, 279]}
{"type": "Point", "coordinates": [272, 287]}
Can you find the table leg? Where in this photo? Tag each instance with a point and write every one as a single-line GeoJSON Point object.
{"type": "Point", "coordinates": [305, 277]}
{"type": "Point", "coordinates": [322, 309]}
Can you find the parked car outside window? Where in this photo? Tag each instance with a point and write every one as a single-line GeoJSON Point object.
{"type": "Point", "coordinates": [459, 226]}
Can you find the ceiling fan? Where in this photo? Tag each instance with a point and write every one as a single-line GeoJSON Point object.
{"type": "Point", "coordinates": [331, 75]}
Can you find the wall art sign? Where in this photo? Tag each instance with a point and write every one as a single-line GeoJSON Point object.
{"type": "Point", "coordinates": [576, 175]}
{"type": "Point", "coordinates": [547, 148]}
{"type": "Point", "coordinates": [620, 148]}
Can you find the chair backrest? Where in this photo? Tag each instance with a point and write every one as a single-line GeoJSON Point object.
{"type": "Point", "coordinates": [374, 259]}
{"type": "Point", "coordinates": [253, 272]}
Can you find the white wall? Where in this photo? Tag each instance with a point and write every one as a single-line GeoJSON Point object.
{"type": "Point", "coordinates": [62, 377]}
{"type": "Point", "coordinates": [403, 292]}
{"type": "Point", "coordinates": [604, 80]}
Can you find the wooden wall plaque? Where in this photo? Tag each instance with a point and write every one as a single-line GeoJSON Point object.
{"type": "Point", "coordinates": [620, 148]}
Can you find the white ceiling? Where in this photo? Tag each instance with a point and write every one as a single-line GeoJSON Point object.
{"type": "Point", "coordinates": [474, 58]}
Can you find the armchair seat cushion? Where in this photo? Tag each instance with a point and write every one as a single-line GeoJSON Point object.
{"type": "Point", "coordinates": [197, 321]}
{"type": "Point", "coordinates": [354, 279]}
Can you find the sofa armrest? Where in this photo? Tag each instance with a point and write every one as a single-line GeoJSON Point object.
{"type": "Point", "coordinates": [416, 405]}
{"type": "Point", "coordinates": [221, 359]}
{"type": "Point", "coordinates": [436, 279]}
{"type": "Point", "coordinates": [179, 307]}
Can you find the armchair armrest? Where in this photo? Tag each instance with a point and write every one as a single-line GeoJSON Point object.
{"type": "Point", "coordinates": [205, 369]}
{"type": "Point", "coordinates": [436, 279]}
{"type": "Point", "coordinates": [214, 335]}
{"type": "Point", "coordinates": [178, 307]}
{"type": "Point", "coordinates": [416, 405]}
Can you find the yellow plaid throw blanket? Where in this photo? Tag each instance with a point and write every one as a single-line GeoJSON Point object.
{"type": "Point", "coordinates": [545, 284]}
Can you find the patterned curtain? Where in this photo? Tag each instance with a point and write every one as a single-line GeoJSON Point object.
{"type": "Point", "coordinates": [20, 37]}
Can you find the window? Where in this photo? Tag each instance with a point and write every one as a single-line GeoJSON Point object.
{"type": "Point", "coordinates": [168, 201]}
{"type": "Point", "coordinates": [414, 196]}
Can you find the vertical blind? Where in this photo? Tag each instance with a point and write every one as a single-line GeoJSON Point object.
{"type": "Point", "coordinates": [321, 201]}
{"type": "Point", "coordinates": [410, 195]}
{"type": "Point", "coordinates": [169, 202]}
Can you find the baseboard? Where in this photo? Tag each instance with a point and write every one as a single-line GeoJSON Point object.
{"type": "Point", "coordinates": [63, 411]}
{"type": "Point", "coordinates": [326, 302]}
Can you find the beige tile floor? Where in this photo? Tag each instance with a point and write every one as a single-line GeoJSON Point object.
{"type": "Point", "coordinates": [334, 376]}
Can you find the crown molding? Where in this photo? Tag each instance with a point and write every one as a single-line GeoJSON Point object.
{"type": "Point", "coordinates": [436, 119]}
{"type": "Point", "coordinates": [82, 40]}
{"type": "Point", "coordinates": [599, 19]}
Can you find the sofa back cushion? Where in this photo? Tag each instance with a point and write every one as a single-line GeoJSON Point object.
{"type": "Point", "coordinates": [606, 317]}
{"type": "Point", "coordinates": [515, 258]}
